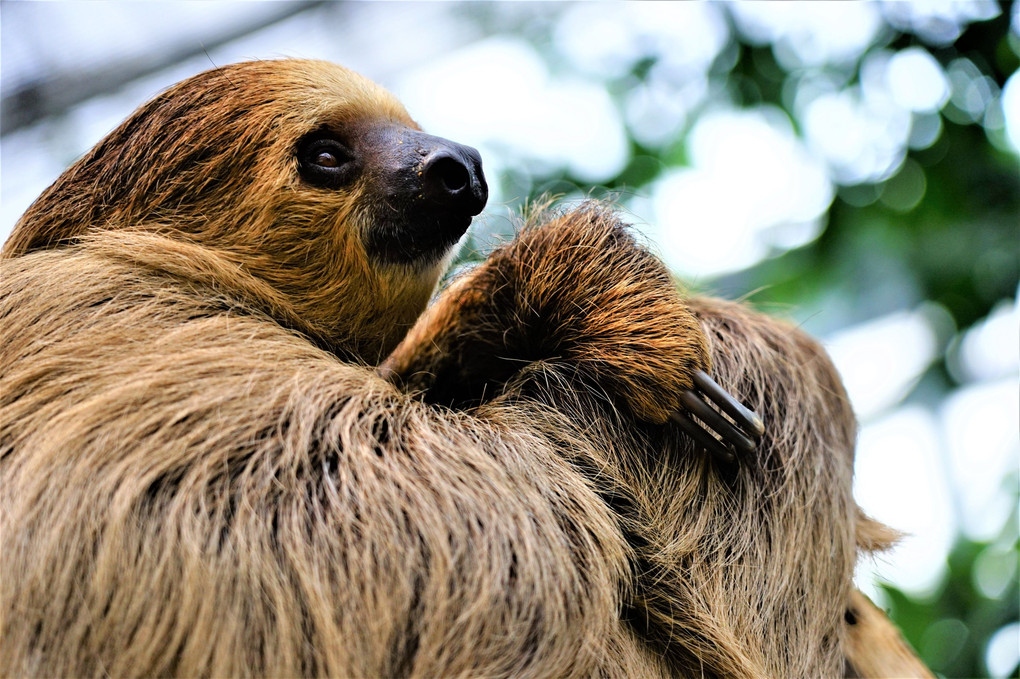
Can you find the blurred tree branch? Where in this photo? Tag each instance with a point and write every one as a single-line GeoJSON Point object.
{"type": "Point", "coordinates": [56, 94]}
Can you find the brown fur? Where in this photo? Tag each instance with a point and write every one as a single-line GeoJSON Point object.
{"type": "Point", "coordinates": [209, 164]}
{"type": "Point", "coordinates": [741, 574]}
{"type": "Point", "coordinates": [195, 481]}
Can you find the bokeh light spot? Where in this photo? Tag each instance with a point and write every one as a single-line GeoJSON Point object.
{"type": "Point", "coordinates": [943, 641]}
{"type": "Point", "coordinates": [899, 480]}
{"type": "Point", "coordinates": [881, 360]}
{"type": "Point", "coordinates": [904, 191]}
{"type": "Point", "coordinates": [1003, 653]}
{"type": "Point", "coordinates": [750, 178]}
{"type": "Point", "coordinates": [916, 80]}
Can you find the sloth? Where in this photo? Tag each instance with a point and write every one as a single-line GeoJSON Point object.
{"type": "Point", "coordinates": [232, 444]}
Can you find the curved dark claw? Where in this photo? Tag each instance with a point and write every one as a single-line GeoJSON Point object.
{"type": "Point", "coordinates": [714, 419]}
{"type": "Point", "coordinates": [738, 437]}
{"type": "Point", "coordinates": [703, 438]}
{"type": "Point", "coordinates": [741, 415]}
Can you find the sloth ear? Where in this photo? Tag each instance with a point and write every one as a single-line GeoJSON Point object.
{"type": "Point", "coordinates": [874, 536]}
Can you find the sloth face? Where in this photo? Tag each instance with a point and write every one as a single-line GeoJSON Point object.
{"type": "Point", "coordinates": [300, 173]}
{"type": "Point", "coordinates": [423, 190]}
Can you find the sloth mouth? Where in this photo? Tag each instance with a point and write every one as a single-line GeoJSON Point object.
{"type": "Point", "coordinates": [423, 241]}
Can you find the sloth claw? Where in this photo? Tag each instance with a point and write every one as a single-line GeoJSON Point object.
{"type": "Point", "coordinates": [739, 434]}
{"type": "Point", "coordinates": [740, 413]}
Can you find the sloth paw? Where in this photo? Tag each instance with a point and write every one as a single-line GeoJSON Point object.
{"type": "Point", "coordinates": [727, 438]}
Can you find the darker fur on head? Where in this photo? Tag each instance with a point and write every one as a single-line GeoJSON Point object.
{"type": "Point", "coordinates": [194, 483]}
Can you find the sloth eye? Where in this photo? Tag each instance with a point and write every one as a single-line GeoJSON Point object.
{"type": "Point", "coordinates": [325, 162]}
{"type": "Point", "coordinates": [326, 159]}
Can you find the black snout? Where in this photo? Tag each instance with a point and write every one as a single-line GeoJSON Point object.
{"type": "Point", "coordinates": [452, 178]}
{"type": "Point", "coordinates": [431, 187]}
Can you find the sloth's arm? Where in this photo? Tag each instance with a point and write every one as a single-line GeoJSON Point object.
{"type": "Point", "coordinates": [578, 291]}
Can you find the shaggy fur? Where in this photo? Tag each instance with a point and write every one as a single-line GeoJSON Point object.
{"type": "Point", "coordinates": [210, 164]}
{"type": "Point", "coordinates": [740, 573]}
{"type": "Point", "coordinates": [201, 476]}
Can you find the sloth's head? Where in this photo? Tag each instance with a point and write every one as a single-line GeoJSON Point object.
{"type": "Point", "coordinates": [305, 174]}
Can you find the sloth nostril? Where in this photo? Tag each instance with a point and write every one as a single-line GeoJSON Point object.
{"type": "Point", "coordinates": [451, 174]}
{"type": "Point", "coordinates": [452, 178]}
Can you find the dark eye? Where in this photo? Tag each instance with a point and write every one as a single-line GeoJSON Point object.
{"type": "Point", "coordinates": [326, 159]}
{"type": "Point", "coordinates": [323, 161]}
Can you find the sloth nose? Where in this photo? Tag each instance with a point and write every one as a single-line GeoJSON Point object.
{"type": "Point", "coordinates": [452, 178]}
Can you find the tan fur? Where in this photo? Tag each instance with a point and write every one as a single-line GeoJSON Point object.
{"type": "Point", "coordinates": [200, 477]}
{"type": "Point", "coordinates": [210, 163]}
{"type": "Point", "coordinates": [875, 647]}
{"type": "Point", "coordinates": [735, 574]}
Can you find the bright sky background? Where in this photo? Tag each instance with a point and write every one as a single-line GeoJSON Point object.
{"type": "Point", "coordinates": [752, 188]}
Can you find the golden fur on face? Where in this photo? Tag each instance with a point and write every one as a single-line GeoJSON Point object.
{"type": "Point", "coordinates": [196, 478]}
{"type": "Point", "coordinates": [210, 162]}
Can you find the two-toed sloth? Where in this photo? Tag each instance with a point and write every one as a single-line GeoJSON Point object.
{"type": "Point", "coordinates": [205, 473]}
